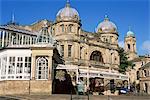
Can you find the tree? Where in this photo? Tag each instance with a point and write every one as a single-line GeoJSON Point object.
{"type": "Point", "coordinates": [124, 63]}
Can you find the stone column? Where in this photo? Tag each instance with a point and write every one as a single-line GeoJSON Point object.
{"type": "Point", "coordinates": [33, 67]}
{"type": "Point", "coordinates": [50, 67]}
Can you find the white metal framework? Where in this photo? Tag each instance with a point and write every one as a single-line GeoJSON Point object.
{"type": "Point", "coordinates": [15, 64]}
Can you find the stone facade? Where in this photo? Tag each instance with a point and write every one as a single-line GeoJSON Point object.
{"type": "Point", "coordinates": [13, 87]}
{"type": "Point", "coordinates": [90, 51]}
{"type": "Point", "coordinates": [145, 78]}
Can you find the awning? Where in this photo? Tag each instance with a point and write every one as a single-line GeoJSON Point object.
{"type": "Point", "coordinates": [93, 73]}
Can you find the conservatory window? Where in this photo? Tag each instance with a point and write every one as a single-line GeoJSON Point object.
{"type": "Point", "coordinates": [11, 68]}
{"type": "Point", "coordinates": [24, 39]}
{"type": "Point", "coordinates": [4, 65]}
{"type": "Point", "coordinates": [42, 68]}
{"type": "Point", "coordinates": [20, 39]}
{"type": "Point", "coordinates": [27, 64]}
{"type": "Point", "coordinates": [19, 68]}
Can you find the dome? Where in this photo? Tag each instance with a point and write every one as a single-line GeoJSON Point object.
{"type": "Point", "coordinates": [130, 33]}
{"type": "Point", "coordinates": [107, 26]}
{"type": "Point", "coordinates": [67, 14]}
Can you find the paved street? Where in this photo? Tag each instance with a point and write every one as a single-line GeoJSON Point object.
{"type": "Point", "coordinates": [74, 97]}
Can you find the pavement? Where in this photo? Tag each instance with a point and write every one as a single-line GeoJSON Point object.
{"type": "Point", "coordinates": [73, 97]}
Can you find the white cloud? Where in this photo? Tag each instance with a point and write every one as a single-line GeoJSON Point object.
{"type": "Point", "coordinates": [121, 44]}
{"type": "Point", "coordinates": [146, 46]}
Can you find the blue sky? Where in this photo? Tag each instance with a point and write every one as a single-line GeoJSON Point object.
{"type": "Point", "coordinates": [124, 13]}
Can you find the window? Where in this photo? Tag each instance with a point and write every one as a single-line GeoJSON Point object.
{"type": "Point", "coordinates": [41, 68]}
{"type": "Point", "coordinates": [62, 27]}
{"type": "Point", "coordinates": [80, 51]}
{"type": "Point", "coordinates": [20, 39]}
{"type": "Point", "coordinates": [96, 56]}
{"type": "Point", "coordinates": [128, 46]}
{"type": "Point", "coordinates": [4, 66]}
{"type": "Point", "coordinates": [14, 39]}
{"type": "Point", "coordinates": [24, 39]}
{"type": "Point", "coordinates": [62, 50]}
{"type": "Point", "coordinates": [27, 40]}
{"type": "Point", "coordinates": [69, 50]}
{"type": "Point", "coordinates": [27, 65]}
{"type": "Point", "coordinates": [145, 74]}
{"type": "Point", "coordinates": [32, 40]}
{"type": "Point", "coordinates": [146, 88]}
{"type": "Point", "coordinates": [19, 68]}
{"type": "Point", "coordinates": [70, 28]}
{"type": "Point", "coordinates": [11, 68]}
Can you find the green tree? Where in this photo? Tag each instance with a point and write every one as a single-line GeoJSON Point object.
{"type": "Point", "coordinates": [124, 63]}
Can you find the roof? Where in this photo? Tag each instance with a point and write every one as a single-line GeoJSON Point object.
{"type": "Point", "coordinates": [130, 33]}
{"type": "Point", "coordinates": [16, 28]}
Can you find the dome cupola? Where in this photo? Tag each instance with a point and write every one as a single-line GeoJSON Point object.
{"type": "Point", "coordinates": [130, 33]}
{"type": "Point", "coordinates": [67, 14]}
{"type": "Point", "coordinates": [106, 26]}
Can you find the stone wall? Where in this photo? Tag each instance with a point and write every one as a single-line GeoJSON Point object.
{"type": "Point", "coordinates": [25, 87]}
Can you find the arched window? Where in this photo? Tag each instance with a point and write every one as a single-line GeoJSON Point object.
{"type": "Point", "coordinates": [62, 27]}
{"type": "Point", "coordinates": [41, 68]}
{"type": "Point", "coordinates": [70, 28]}
{"type": "Point", "coordinates": [96, 56]}
{"type": "Point", "coordinates": [128, 46]}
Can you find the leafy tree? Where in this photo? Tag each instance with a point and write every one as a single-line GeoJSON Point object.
{"type": "Point", "coordinates": [124, 63]}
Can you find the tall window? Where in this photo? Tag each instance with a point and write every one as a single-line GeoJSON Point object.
{"type": "Point", "coordinates": [24, 39]}
{"type": "Point", "coordinates": [20, 39]}
{"type": "Point", "coordinates": [145, 74]}
{"type": "Point", "coordinates": [14, 38]}
{"type": "Point", "coordinates": [41, 68]}
{"type": "Point", "coordinates": [4, 66]}
{"type": "Point", "coordinates": [62, 27]}
{"type": "Point", "coordinates": [70, 28]}
{"type": "Point", "coordinates": [19, 68]}
{"type": "Point", "coordinates": [96, 56]}
{"type": "Point", "coordinates": [27, 65]}
{"type": "Point", "coordinates": [62, 50]}
{"type": "Point", "coordinates": [27, 40]}
{"type": "Point", "coordinates": [69, 50]}
{"type": "Point", "coordinates": [11, 69]}
{"type": "Point", "coordinates": [128, 46]}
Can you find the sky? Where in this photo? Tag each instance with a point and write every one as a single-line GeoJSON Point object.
{"type": "Point", "coordinates": [124, 13]}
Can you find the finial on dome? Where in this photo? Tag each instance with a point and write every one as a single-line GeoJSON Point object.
{"type": "Point", "coordinates": [67, 3]}
{"type": "Point", "coordinates": [129, 28]}
{"type": "Point", "coordinates": [106, 17]}
{"type": "Point", "coordinates": [13, 18]}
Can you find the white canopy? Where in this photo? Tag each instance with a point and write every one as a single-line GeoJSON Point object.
{"type": "Point", "coordinates": [93, 73]}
